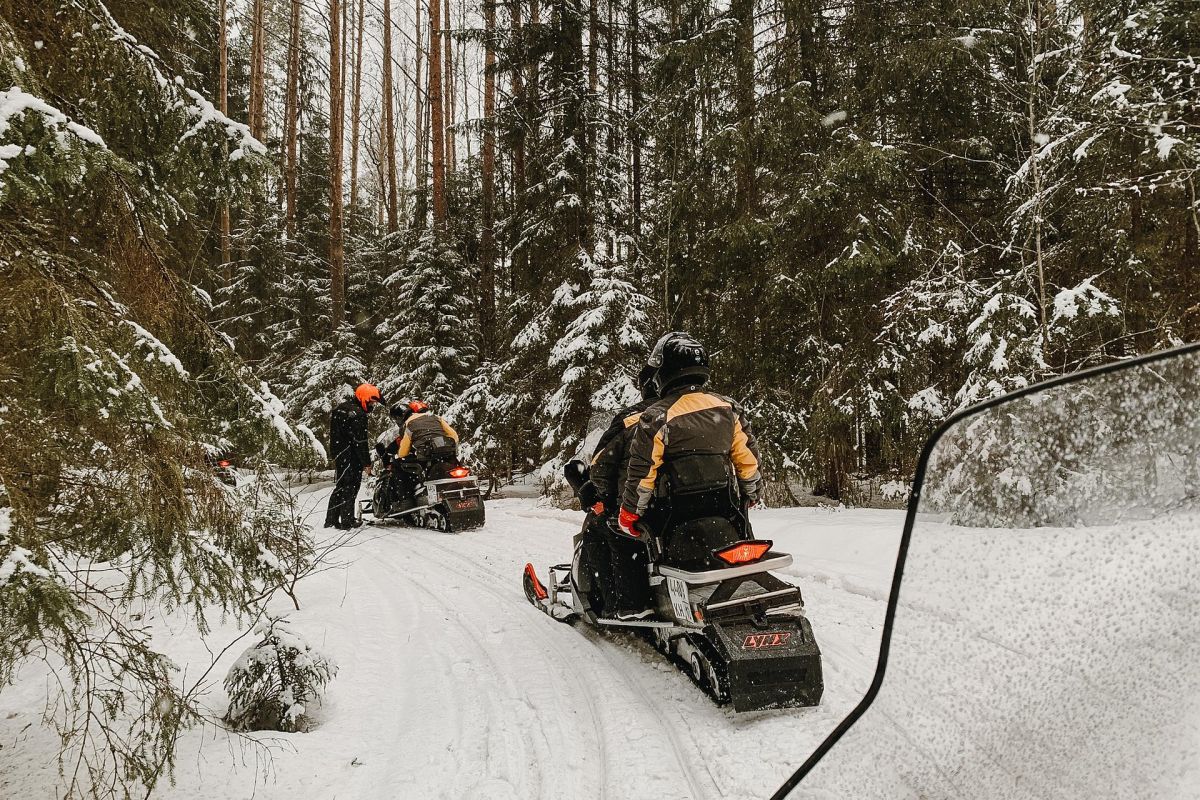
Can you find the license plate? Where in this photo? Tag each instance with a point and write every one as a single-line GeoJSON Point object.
{"type": "Point", "coordinates": [758, 641]}
{"type": "Point", "coordinates": [466, 505]}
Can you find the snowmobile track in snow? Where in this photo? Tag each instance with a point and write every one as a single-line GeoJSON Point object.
{"type": "Point", "coordinates": [584, 690]}
{"type": "Point", "coordinates": [451, 687]}
{"type": "Point", "coordinates": [685, 763]}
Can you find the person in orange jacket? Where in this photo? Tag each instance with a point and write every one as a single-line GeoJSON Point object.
{"type": "Point", "coordinates": [687, 425]}
{"type": "Point", "coordinates": [423, 435]}
{"type": "Point", "coordinates": [424, 438]}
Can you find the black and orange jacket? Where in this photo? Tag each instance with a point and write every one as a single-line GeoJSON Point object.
{"type": "Point", "coordinates": [689, 421]}
{"type": "Point", "coordinates": [612, 453]}
{"type": "Point", "coordinates": [422, 434]}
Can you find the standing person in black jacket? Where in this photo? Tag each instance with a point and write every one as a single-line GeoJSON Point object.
{"type": "Point", "coordinates": [351, 458]}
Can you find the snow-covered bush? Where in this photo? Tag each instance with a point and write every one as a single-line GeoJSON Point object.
{"type": "Point", "coordinates": [275, 682]}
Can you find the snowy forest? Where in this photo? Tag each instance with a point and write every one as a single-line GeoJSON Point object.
{"type": "Point", "coordinates": [219, 216]}
{"type": "Point", "coordinates": [873, 213]}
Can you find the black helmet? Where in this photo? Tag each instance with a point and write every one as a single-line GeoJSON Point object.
{"type": "Point", "coordinates": [676, 356]}
{"type": "Point", "coordinates": [400, 412]}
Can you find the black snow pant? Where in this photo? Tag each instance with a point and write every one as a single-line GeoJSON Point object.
{"type": "Point", "coordinates": [408, 474]}
{"type": "Point", "coordinates": [618, 564]}
{"type": "Point", "coordinates": [341, 511]}
{"type": "Point", "coordinates": [631, 578]}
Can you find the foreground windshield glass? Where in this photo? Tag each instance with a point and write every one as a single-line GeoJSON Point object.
{"type": "Point", "coordinates": [1044, 640]}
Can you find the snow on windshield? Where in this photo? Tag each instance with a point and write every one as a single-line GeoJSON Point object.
{"type": "Point", "coordinates": [1044, 639]}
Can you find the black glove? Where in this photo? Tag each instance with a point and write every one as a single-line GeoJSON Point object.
{"type": "Point", "coordinates": [588, 496]}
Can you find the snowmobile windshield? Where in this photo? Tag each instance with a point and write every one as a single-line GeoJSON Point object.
{"type": "Point", "coordinates": [1045, 626]}
{"type": "Point", "coordinates": [597, 424]}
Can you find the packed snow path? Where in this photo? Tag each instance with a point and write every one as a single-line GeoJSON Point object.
{"type": "Point", "coordinates": [452, 686]}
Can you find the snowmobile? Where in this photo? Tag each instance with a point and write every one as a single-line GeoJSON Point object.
{"type": "Point", "coordinates": [718, 612]}
{"type": "Point", "coordinates": [445, 497]}
{"type": "Point", "coordinates": [224, 469]}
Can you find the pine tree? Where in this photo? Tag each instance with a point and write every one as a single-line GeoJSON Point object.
{"type": "Point", "coordinates": [430, 347]}
{"type": "Point", "coordinates": [99, 220]}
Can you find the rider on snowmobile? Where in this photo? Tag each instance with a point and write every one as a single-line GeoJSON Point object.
{"type": "Point", "coordinates": [619, 562]}
{"type": "Point", "coordinates": [386, 447]}
{"type": "Point", "coordinates": [690, 434]}
{"type": "Point", "coordinates": [423, 438]}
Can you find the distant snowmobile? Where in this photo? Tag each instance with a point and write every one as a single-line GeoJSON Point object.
{"type": "Point", "coordinates": [740, 631]}
{"type": "Point", "coordinates": [445, 496]}
{"type": "Point", "coordinates": [224, 469]}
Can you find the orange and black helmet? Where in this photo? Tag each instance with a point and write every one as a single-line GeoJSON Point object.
{"type": "Point", "coordinates": [418, 406]}
{"type": "Point", "coordinates": [367, 394]}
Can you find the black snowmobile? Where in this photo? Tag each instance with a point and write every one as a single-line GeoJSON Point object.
{"type": "Point", "coordinates": [718, 611]}
{"type": "Point", "coordinates": [442, 496]}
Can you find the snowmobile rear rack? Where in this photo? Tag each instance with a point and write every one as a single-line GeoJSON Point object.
{"type": "Point", "coordinates": [771, 561]}
{"type": "Point", "coordinates": [791, 593]}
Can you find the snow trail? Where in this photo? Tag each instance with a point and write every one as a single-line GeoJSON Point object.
{"type": "Point", "coordinates": [452, 686]}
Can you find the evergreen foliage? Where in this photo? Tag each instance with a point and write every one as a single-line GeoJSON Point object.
{"type": "Point", "coordinates": [115, 391]}
{"type": "Point", "coordinates": [873, 213]}
{"type": "Point", "coordinates": [275, 682]}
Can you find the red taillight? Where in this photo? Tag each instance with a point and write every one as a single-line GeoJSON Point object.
{"type": "Point", "coordinates": [224, 463]}
{"type": "Point", "coordinates": [744, 552]}
{"type": "Point", "coordinates": [459, 472]}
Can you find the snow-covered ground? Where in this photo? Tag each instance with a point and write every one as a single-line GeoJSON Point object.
{"type": "Point", "coordinates": [452, 686]}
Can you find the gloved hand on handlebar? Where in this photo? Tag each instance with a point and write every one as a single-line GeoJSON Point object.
{"type": "Point", "coordinates": [627, 520]}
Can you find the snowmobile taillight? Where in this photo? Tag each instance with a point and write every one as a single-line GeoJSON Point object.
{"type": "Point", "coordinates": [224, 463]}
{"type": "Point", "coordinates": [459, 472]}
{"type": "Point", "coordinates": [744, 552]}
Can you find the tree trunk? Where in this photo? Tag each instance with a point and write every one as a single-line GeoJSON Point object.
{"type": "Point", "coordinates": [1036, 50]}
{"type": "Point", "coordinates": [292, 122]}
{"type": "Point", "coordinates": [588, 126]}
{"type": "Point", "coordinates": [337, 271]}
{"type": "Point", "coordinates": [520, 264]}
{"type": "Point", "coordinates": [451, 151]}
{"type": "Point", "coordinates": [420, 143]}
{"type": "Point", "coordinates": [223, 100]}
{"type": "Point", "coordinates": [381, 171]}
{"type": "Point", "coordinates": [258, 68]}
{"type": "Point", "coordinates": [462, 73]}
{"type": "Point", "coordinates": [487, 237]}
{"type": "Point", "coordinates": [406, 164]}
{"type": "Point", "coordinates": [356, 107]}
{"type": "Point", "coordinates": [437, 116]}
{"type": "Point", "coordinates": [744, 102]}
{"type": "Point", "coordinates": [635, 115]}
{"type": "Point", "coordinates": [389, 122]}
